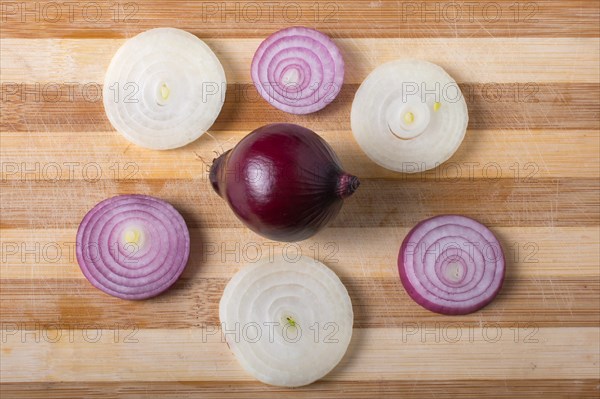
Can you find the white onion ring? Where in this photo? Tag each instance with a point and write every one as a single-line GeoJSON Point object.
{"type": "Point", "coordinates": [164, 88]}
{"type": "Point", "coordinates": [451, 264]}
{"type": "Point", "coordinates": [132, 246]}
{"type": "Point", "coordinates": [306, 291]}
{"type": "Point", "coordinates": [298, 70]}
{"type": "Point", "coordinates": [399, 125]}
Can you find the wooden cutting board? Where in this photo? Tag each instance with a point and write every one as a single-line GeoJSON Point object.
{"type": "Point", "coordinates": [528, 169]}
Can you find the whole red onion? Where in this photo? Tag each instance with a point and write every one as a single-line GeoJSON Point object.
{"type": "Point", "coordinates": [283, 181]}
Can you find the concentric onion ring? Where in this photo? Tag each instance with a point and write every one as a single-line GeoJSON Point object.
{"type": "Point", "coordinates": [298, 70]}
{"type": "Point", "coordinates": [409, 116]}
{"type": "Point", "coordinates": [312, 312]}
{"type": "Point", "coordinates": [451, 264]}
{"type": "Point", "coordinates": [132, 246]}
{"type": "Point", "coordinates": [164, 88]}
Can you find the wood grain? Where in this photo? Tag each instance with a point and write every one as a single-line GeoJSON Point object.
{"type": "Point", "coordinates": [379, 202]}
{"type": "Point", "coordinates": [365, 18]}
{"type": "Point", "coordinates": [491, 106]}
{"type": "Point", "coordinates": [218, 253]}
{"type": "Point", "coordinates": [529, 168]}
{"type": "Point", "coordinates": [74, 304]}
{"type": "Point", "coordinates": [570, 353]}
{"type": "Point", "coordinates": [477, 60]}
{"type": "Point", "coordinates": [524, 155]}
{"type": "Point", "coordinates": [548, 388]}
{"type": "Point", "coordinates": [542, 273]}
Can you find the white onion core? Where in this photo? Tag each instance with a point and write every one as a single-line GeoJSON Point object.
{"type": "Point", "coordinates": [407, 120]}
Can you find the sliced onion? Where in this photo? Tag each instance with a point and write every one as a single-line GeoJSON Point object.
{"type": "Point", "coordinates": [409, 116]}
{"type": "Point", "coordinates": [298, 70]}
{"type": "Point", "coordinates": [312, 312]}
{"type": "Point", "coordinates": [133, 246]}
{"type": "Point", "coordinates": [451, 264]}
{"type": "Point", "coordinates": [164, 88]}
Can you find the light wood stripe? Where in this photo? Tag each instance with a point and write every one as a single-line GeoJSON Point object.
{"type": "Point", "coordinates": [539, 60]}
{"type": "Point", "coordinates": [406, 388]}
{"type": "Point", "coordinates": [362, 18]}
{"type": "Point", "coordinates": [560, 353]}
{"type": "Point", "coordinates": [530, 252]}
{"type": "Point", "coordinates": [520, 154]}
{"type": "Point", "coordinates": [377, 203]}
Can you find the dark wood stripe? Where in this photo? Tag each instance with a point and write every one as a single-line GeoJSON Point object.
{"type": "Point", "coordinates": [377, 203]}
{"type": "Point", "coordinates": [365, 18]}
{"type": "Point", "coordinates": [476, 389]}
{"type": "Point", "coordinates": [78, 107]}
{"type": "Point", "coordinates": [73, 303]}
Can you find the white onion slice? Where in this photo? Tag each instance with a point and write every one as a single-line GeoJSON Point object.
{"type": "Point", "coordinates": [312, 313]}
{"type": "Point", "coordinates": [409, 116]}
{"type": "Point", "coordinates": [164, 88]}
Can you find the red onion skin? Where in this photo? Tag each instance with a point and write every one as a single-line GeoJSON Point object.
{"type": "Point", "coordinates": [434, 307]}
{"type": "Point", "coordinates": [283, 181]}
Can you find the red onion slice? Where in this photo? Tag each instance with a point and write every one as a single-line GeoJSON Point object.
{"type": "Point", "coordinates": [298, 70]}
{"type": "Point", "coordinates": [133, 246]}
{"type": "Point", "coordinates": [451, 264]}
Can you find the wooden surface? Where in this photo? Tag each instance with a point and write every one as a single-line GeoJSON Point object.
{"type": "Point", "coordinates": [528, 168]}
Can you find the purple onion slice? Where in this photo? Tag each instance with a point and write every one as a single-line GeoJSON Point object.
{"type": "Point", "coordinates": [451, 264]}
{"type": "Point", "coordinates": [133, 246]}
{"type": "Point", "coordinates": [298, 70]}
